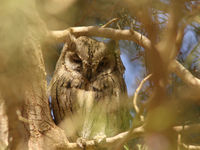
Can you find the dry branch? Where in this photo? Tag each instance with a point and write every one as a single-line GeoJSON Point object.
{"type": "Point", "coordinates": [186, 76]}
{"type": "Point", "coordinates": [187, 127]}
{"type": "Point", "coordinates": [103, 32]}
{"type": "Point", "coordinates": [173, 66]}
{"type": "Point", "coordinates": [110, 22]}
{"type": "Point", "coordinates": [191, 147]}
{"type": "Point", "coordinates": [109, 142]}
{"type": "Point", "coordinates": [137, 110]}
{"type": "Point", "coordinates": [134, 36]}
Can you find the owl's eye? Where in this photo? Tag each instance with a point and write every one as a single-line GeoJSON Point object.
{"type": "Point", "coordinates": [76, 59]}
{"type": "Point", "coordinates": [102, 64]}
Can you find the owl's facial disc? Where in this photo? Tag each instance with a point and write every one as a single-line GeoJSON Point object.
{"type": "Point", "coordinates": [90, 59]}
{"type": "Point", "coordinates": [91, 69]}
{"type": "Point", "coordinates": [73, 62]}
{"type": "Point", "coordinates": [75, 59]}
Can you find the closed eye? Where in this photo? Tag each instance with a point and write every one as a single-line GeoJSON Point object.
{"type": "Point", "coordinates": [102, 65]}
{"type": "Point", "coordinates": [75, 59]}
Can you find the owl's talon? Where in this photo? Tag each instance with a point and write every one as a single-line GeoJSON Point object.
{"type": "Point", "coordinates": [81, 142]}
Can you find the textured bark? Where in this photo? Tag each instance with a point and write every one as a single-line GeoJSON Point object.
{"type": "Point", "coordinates": [25, 119]}
{"type": "Point", "coordinates": [36, 108]}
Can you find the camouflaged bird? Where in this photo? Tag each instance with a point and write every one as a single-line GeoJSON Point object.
{"type": "Point", "coordinates": [88, 89]}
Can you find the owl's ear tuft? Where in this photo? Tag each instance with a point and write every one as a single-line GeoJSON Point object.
{"type": "Point", "coordinates": [70, 41]}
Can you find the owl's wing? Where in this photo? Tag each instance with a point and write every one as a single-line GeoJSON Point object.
{"type": "Point", "coordinates": [61, 100]}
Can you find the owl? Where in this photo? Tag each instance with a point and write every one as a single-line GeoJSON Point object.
{"type": "Point", "coordinates": [87, 88]}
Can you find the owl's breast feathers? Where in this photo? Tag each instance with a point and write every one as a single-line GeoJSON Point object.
{"type": "Point", "coordinates": [88, 82]}
{"type": "Point", "coordinates": [69, 93]}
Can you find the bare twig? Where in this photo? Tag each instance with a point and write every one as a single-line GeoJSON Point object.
{"type": "Point", "coordinates": [110, 22]}
{"type": "Point", "coordinates": [190, 147]}
{"type": "Point", "coordinates": [178, 141]}
{"type": "Point", "coordinates": [137, 110]}
{"type": "Point", "coordinates": [138, 113]}
{"type": "Point", "coordinates": [185, 128]}
{"type": "Point", "coordinates": [179, 129]}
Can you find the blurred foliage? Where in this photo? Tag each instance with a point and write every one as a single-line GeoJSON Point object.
{"type": "Point", "coordinates": [19, 25]}
{"type": "Point", "coordinates": [149, 17]}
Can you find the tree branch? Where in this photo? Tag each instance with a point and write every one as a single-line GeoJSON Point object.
{"type": "Point", "coordinates": [134, 36]}
{"type": "Point", "coordinates": [110, 22]}
{"type": "Point", "coordinates": [115, 140]}
{"type": "Point", "coordinates": [185, 75]}
{"type": "Point", "coordinates": [190, 147]}
{"type": "Point", "coordinates": [102, 32]}
{"type": "Point", "coordinates": [193, 127]}
{"type": "Point", "coordinates": [91, 144]}
{"type": "Point", "coordinates": [173, 66]}
{"type": "Point", "coordinates": [137, 110]}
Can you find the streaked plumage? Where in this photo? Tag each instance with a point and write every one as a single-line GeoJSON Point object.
{"type": "Point", "coordinates": [87, 87]}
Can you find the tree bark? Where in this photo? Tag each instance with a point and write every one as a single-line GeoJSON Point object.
{"type": "Point", "coordinates": [25, 121]}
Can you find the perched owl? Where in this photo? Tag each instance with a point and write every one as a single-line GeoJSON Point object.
{"type": "Point", "coordinates": [87, 88]}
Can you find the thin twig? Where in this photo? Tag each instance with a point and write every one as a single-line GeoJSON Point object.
{"type": "Point", "coordinates": [183, 128]}
{"type": "Point", "coordinates": [190, 147]}
{"type": "Point", "coordinates": [178, 141]}
{"type": "Point", "coordinates": [110, 22]}
{"type": "Point", "coordinates": [137, 110]}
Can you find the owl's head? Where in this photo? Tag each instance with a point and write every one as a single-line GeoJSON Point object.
{"type": "Point", "coordinates": [90, 58]}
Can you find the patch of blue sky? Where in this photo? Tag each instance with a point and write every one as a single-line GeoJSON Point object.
{"type": "Point", "coordinates": [133, 72]}
{"type": "Point", "coordinates": [162, 16]}
{"type": "Point", "coordinates": [189, 41]}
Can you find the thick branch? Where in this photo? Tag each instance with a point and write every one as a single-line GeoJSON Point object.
{"type": "Point", "coordinates": [103, 32]}
{"type": "Point", "coordinates": [134, 36]}
{"type": "Point", "coordinates": [184, 74]}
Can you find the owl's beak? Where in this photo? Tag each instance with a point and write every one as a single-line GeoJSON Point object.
{"type": "Point", "coordinates": [87, 71]}
{"type": "Point", "coordinates": [88, 74]}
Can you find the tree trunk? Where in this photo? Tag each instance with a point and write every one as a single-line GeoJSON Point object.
{"type": "Point", "coordinates": [25, 110]}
